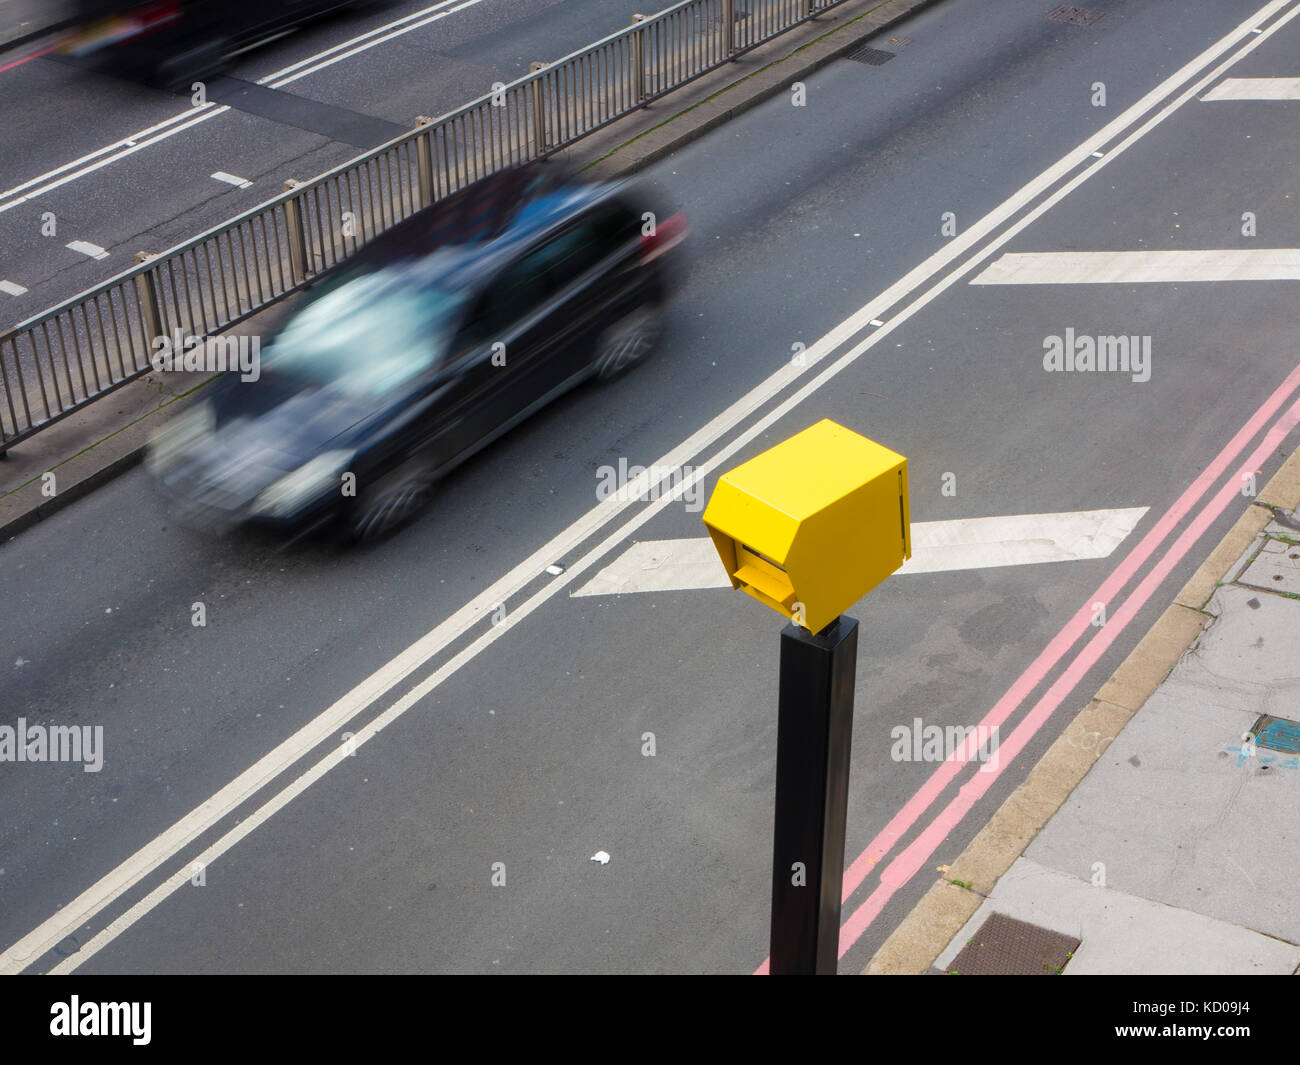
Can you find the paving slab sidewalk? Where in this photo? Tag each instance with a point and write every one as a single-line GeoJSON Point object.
{"type": "Point", "coordinates": [88, 449]}
{"type": "Point", "coordinates": [1162, 830]}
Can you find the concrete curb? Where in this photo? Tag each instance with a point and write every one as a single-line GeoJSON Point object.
{"type": "Point", "coordinates": [671, 122]}
{"type": "Point", "coordinates": [913, 946]}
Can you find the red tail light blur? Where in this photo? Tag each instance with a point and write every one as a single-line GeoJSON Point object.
{"type": "Point", "coordinates": [667, 235]}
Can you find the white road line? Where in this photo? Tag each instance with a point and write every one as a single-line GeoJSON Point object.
{"type": "Point", "coordinates": [86, 248]}
{"type": "Point", "coordinates": [231, 179]}
{"type": "Point", "coordinates": [168, 844]}
{"type": "Point", "coordinates": [11, 288]}
{"type": "Point", "coordinates": [192, 116]}
{"type": "Point", "coordinates": [277, 80]}
{"type": "Point", "coordinates": [1141, 267]}
{"type": "Point", "coordinates": [1255, 89]}
{"type": "Point", "coordinates": [128, 142]}
{"type": "Point", "coordinates": [965, 543]}
{"type": "Point", "coordinates": [202, 116]}
{"type": "Point", "coordinates": [378, 31]}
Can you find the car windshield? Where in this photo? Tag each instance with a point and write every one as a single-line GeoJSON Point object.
{"type": "Point", "coordinates": [368, 334]}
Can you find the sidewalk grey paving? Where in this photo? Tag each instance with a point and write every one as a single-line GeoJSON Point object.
{"type": "Point", "coordinates": [1179, 852]}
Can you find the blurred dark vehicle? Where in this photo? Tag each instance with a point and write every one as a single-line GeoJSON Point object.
{"type": "Point", "coordinates": [171, 41]}
{"type": "Point", "coordinates": [432, 341]}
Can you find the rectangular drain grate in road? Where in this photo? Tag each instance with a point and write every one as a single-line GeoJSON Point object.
{"type": "Point", "coordinates": [1277, 734]}
{"type": "Point", "coordinates": [1006, 947]}
{"type": "Point", "coordinates": [871, 56]}
{"type": "Point", "coordinates": [1075, 16]}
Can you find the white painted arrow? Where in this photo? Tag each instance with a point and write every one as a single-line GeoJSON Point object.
{"type": "Point", "coordinates": [1255, 89]}
{"type": "Point", "coordinates": [967, 543]}
{"type": "Point", "coordinates": [1141, 267]}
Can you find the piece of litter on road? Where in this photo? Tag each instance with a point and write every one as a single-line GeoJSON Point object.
{"type": "Point", "coordinates": [555, 569]}
{"type": "Point", "coordinates": [600, 856]}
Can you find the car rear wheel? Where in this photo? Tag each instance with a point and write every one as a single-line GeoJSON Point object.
{"type": "Point", "coordinates": [393, 500]}
{"type": "Point", "coordinates": [627, 342]}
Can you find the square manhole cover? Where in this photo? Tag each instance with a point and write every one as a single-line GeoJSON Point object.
{"type": "Point", "coordinates": [1277, 734]}
{"type": "Point", "coordinates": [1075, 16]}
{"type": "Point", "coordinates": [1275, 569]}
{"type": "Point", "coordinates": [871, 56]}
{"type": "Point", "coordinates": [1004, 946]}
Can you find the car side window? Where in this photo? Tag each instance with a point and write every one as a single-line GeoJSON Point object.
{"type": "Point", "coordinates": [512, 295]}
{"type": "Point", "coordinates": [581, 247]}
{"type": "Point", "coordinates": [543, 271]}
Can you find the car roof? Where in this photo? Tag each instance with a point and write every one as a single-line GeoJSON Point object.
{"type": "Point", "coordinates": [466, 236]}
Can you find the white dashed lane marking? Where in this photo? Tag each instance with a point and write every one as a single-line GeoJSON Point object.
{"type": "Point", "coordinates": [231, 179]}
{"type": "Point", "coordinates": [86, 248]}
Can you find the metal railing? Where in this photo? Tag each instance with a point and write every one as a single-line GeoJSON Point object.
{"type": "Point", "coordinates": [59, 361]}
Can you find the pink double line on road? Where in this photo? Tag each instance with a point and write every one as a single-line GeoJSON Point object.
{"type": "Point", "coordinates": [1065, 639]}
{"type": "Point", "coordinates": [907, 864]}
{"type": "Point", "coordinates": [948, 770]}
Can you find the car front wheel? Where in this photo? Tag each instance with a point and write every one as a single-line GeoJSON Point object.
{"type": "Point", "coordinates": [390, 502]}
{"type": "Point", "coordinates": [627, 342]}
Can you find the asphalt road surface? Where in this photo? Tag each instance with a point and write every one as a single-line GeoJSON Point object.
{"type": "Point", "coordinates": [124, 167]}
{"type": "Point", "coordinates": [421, 777]}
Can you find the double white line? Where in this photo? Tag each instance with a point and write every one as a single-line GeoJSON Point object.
{"type": "Point", "coordinates": [168, 846]}
{"type": "Point", "coordinates": [192, 116]}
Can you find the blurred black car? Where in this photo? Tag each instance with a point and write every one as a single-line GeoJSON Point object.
{"type": "Point", "coordinates": [436, 338]}
{"type": "Point", "coordinates": [171, 41]}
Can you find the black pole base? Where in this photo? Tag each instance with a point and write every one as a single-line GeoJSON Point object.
{"type": "Point", "coordinates": [814, 732]}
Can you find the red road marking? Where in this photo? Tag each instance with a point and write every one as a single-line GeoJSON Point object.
{"type": "Point", "coordinates": [947, 771]}
{"type": "Point", "coordinates": [35, 55]}
{"type": "Point", "coordinates": [907, 864]}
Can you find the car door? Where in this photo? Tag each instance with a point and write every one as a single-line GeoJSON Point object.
{"type": "Point", "coordinates": [515, 325]}
{"type": "Point", "coordinates": [483, 390]}
{"type": "Point", "coordinates": [578, 265]}
{"type": "Point", "coordinates": [588, 286]}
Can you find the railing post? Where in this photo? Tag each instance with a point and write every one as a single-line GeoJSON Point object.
{"type": "Point", "coordinates": [424, 162]}
{"type": "Point", "coordinates": [297, 233]}
{"type": "Point", "coordinates": [638, 61]}
{"type": "Point", "coordinates": [146, 287]}
{"type": "Point", "coordinates": [539, 112]}
{"type": "Point", "coordinates": [728, 27]}
{"type": "Point", "coordinates": [810, 8]}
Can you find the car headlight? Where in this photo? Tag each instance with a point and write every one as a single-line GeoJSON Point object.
{"type": "Point", "coordinates": [316, 478]}
{"type": "Point", "coordinates": [180, 435]}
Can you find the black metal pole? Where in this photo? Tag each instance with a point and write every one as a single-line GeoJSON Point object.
{"type": "Point", "coordinates": [814, 731]}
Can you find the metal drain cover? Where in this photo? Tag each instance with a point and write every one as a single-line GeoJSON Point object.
{"type": "Point", "coordinates": [1006, 947]}
{"type": "Point", "coordinates": [871, 56]}
{"type": "Point", "coordinates": [1277, 734]}
{"type": "Point", "coordinates": [1275, 569]}
{"type": "Point", "coordinates": [1075, 16]}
